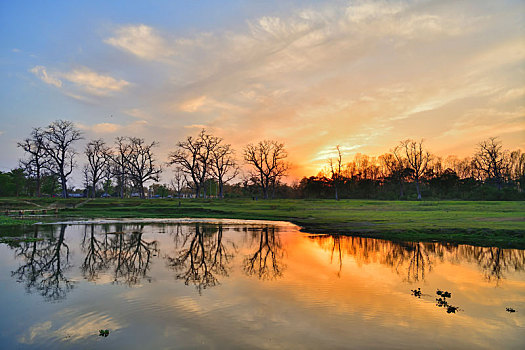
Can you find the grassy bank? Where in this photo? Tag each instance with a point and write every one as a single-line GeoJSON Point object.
{"type": "Point", "coordinates": [481, 223]}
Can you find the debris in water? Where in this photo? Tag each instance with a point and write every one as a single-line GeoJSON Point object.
{"type": "Point", "coordinates": [416, 292]}
{"type": "Point", "coordinates": [444, 294]}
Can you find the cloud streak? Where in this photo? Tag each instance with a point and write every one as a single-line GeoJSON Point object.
{"type": "Point", "coordinates": [82, 80]}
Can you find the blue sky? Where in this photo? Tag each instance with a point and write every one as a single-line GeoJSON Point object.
{"type": "Point", "coordinates": [363, 75]}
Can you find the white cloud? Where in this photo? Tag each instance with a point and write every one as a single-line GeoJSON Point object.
{"type": "Point", "coordinates": [83, 79]}
{"type": "Point", "coordinates": [41, 72]}
{"type": "Point", "coordinates": [93, 82]}
{"type": "Point", "coordinates": [140, 40]}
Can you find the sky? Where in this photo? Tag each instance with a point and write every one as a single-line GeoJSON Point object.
{"type": "Point", "coordinates": [312, 74]}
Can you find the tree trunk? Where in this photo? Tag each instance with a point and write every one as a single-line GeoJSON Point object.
{"type": "Point", "coordinates": [220, 189]}
{"type": "Point", "coordinates": [63, 182]}
{"type": "Point", "coordinates": [417, 188]}
{"type": "Point", "coordinates": [94, 187]}
{"type": "Point", "coordinates": [197, 190]}
{"type": "Point", "coordinates": [141, 189]}
{"type": "Point", "coordinates": [38, 183]}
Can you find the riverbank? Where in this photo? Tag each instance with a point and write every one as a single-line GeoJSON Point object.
{"type": "Point", "coordinates": [499, 224]}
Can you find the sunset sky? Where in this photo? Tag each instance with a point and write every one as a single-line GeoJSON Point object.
{"type": "Point", "coordinates": [312, 74]}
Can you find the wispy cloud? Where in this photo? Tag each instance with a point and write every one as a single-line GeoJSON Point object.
{"type": "Point", "coordinates": [41, 72]}
{"type": "Point", "coordinates": [83, 79]}
{"type": "Point", "coordinates": [93, 82]}
{"type": "Point", "coordinates": [140, 40]}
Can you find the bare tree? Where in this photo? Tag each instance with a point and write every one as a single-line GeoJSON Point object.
{"type": "Point", "coordinates": [491, 160]}
{"type": "Point", "coordinates": [178, 181]}
{"type": "Point", "coordinates": [141, 163]}
{"type": "Point", "coordinates": [34, 165]}
{"type": "Point", "coordinates": [97, 154]}
{"type": "Point", "coordinates": [224, 166]}
{"type": "Point", "coordinates": [268, 159]}
{"type": "Point", "coordinates": [119, 160]}
{"type": "Point", "coordinates": [58, 146]}
{"type": "Point", "coordinates": [417, 159]}
{"type": "Point", "coordinates": [194, 156]}
{"type": "Point", "coordinates": [336, 171]}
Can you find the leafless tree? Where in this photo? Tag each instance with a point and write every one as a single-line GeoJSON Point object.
{"type": "Point", "coordinates": [336, 170]}
{"type": "Point", "coordinates": [86, 179]}
{"type": "Point", "coordinates": [417, 159]}
{"type": "Point", "coordinates": [268, 159]}
{"type": "Point", "coordinates": [194, 156]}
{"type": "Point", "coordinates": [59, 138]}
{"type": "Point", "coordinates": [141, 163]}
{"type": "Point", "coordinates": [34, 165]}
{"type": "Point", "coordinates": [97, 154]}
{"type": "Point", "coordinates": [178, 181]}
{"type": "Point", "coordinates": [119, 159]}
{"type": "Point", "coordinates": [224, 166]}
{"type": "Point", "coordinates": [491, 160]}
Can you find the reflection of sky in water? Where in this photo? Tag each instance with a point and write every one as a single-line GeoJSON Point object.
{"type": "Point", "coordinates": [252, 286]}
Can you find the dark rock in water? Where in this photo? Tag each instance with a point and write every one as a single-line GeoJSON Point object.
{"type": "Point", "coordinates": [509, 309]}
{"type": "Point", "coordinates": [103, 332]}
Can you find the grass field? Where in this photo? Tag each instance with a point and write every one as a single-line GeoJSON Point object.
{"type": "Point", "coordinates": [481, 223]}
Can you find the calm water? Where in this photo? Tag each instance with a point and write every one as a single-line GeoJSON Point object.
{"type": "Point", "coordinates": [234, 285]}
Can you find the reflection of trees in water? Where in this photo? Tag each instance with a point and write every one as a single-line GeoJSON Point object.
{"type": "Point", "coordinates": [415, 259]}
{"type": "Point", "coordinates": [494, 262]}
{"type": "Point", "coordinates": [200, 255]}
{"type": "Point", "coordinates": [266, 261]}
{"type": "Point", "coordinates": [43, 265]}
{"type": "Point", "coordinates": [128, 255]}
{"type": "Point", "coordinates": [95, 250]}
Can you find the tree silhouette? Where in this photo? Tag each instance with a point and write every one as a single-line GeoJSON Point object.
{"type": "Point", "coordinates": [201, 256]}
{"type": "Point", "coordinates": [43, 267]}
{"type": "Point", "coordinates": [266, 261]}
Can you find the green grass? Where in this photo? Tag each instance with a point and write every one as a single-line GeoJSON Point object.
{"type": "Point", "coordinates": [9, 221]}
{"type": "Point", "coordinates": [480, 223]}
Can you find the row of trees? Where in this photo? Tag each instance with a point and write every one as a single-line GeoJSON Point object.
{"type": "Point", "coordinates": [490, 169]}
{"type": "Point", "coordinates": [130, 163]}
{"type": "Point", "coordinates": [125, 168]}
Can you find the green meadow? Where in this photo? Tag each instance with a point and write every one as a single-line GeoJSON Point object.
{"type": "Point", "coordinates": [491, 223]}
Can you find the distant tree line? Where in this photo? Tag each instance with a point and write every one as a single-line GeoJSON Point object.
{"type": "Point", "coordinates": [410, 171]}
{"type": "Point", "coordinates": [204, 165]}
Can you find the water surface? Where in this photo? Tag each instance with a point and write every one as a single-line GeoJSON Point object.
{"type": "Point", "coordinates": [256, 285]}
